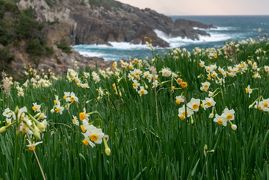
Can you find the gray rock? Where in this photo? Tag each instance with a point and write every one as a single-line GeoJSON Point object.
{"type": "Point", "coordinates": [83, 23]}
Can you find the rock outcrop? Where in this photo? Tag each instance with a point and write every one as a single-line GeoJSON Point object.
{"type": "Point", "coordinates": [78, 22]}
{"type": "Point", "coordinates": [82, 22]}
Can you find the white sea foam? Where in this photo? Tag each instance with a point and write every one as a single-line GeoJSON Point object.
{"type": "Point", "coordinates": [91, 54]}
{"type": "Point", "coordinates": [126, 45]}
{"type": "Point", "coordinates": [218, 28]}
{"type": "Point", "coordinates": [179, 41]}
{"type": "Point", "coordinates": [113, 45]}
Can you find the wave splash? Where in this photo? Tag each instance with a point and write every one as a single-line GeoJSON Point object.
{"type": "Point", "coordinates": [179, 41]}
{"type": "Point", "coordinates": [118, 50]}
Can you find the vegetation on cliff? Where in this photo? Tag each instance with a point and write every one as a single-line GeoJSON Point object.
{"type": "Point", "coordinates": [20, 29]}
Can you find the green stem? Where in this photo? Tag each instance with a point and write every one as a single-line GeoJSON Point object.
{"type": "Point", "coordinates": [15, 171]}
{"type": "Point", "coordinates": [156, 106]}
{"type": "Point", "coordinates": [40, 167]}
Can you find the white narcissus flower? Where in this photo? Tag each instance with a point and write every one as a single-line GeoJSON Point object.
{"type": "Point", "coordinates": [92, 135]}
{"type": "Point", "coordinates": [263, 105]}
{"type": "Point", "coordinates": [202, 63]}
{"type": "Point", "coordinates": [220, 120]}
{"type": "Point", "coordinates": [20, 91]}
{"type": "Point", "coordinates": [72, 75]}
{"type": "Point", "coordinates": [83, 115]}
{"type": "Point", "coordinates": [266, 69]}
{"type": "Point", "coordinates": [9, 114]}
{"type": "Point", "coordinates": [184, 112]}
{"type": "Point", "coordinates": [208, 103]}
{"type": "Point", "coordinates": [135, 84]}
{"type": "Point", "coordinates": [36, 107]}
{"type": "Point", "coordinates": [56, 101]}
{"type": "Point", "coordinates": [75, 121]}
{"type": "Point", "coordinates": [86, 75]}
{"type": "Point", "coordinates": [166, 72]}
{"type": "Point", "coordinates": [142, 91]}
{"type": "Point", "coordinates": [180, 99]}
{"type": "Point", "coordinates": [194, 104]}
{"type": "Point", "coordinates": [70, 97]}
{"type": "Point", "coordinates": [248, 90]}
{"type": "Point", "coordinates": [57, 109]}
{"type": "Point", "coordinates": [205, 86]}
{"type": "Point", "coordinates": [95, 77]}
{"type": "Point", "coordinates": [228, 114]}
{"type": "Point", "coordinates": [32, 145]}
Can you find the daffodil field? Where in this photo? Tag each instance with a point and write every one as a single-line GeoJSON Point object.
{"type": "Point", "coordinates": [200, 114]}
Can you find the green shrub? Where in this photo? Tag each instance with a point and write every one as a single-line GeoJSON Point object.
{"type": "Point", "coordinates": [7, 6]}
{"type": "Point", "coordinates": [64, 46]}
{"type": "Point", "coordinates": [6, 37]}
{"type": "Point", "coordinates": [50, 2]}
{"type": "Point", "coordinates": [105, 3]}
{"type": "Point", "coordinates": [5, 58]}
{"type": "Point", "coordinates": [35, 48]}
{"type": "Point", "coordinates": [5, 55]}
{"type": "Point", "coordinates": [28, 27]}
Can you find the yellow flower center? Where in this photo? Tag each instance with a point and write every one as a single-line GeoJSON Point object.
{"type": "Point", "coordinates": [72, 99]}
{"type": "Point", "coordinates": [135, 85]}
{"type": "Point", "coordinates": [219, 121]}
{"type": "Point", "coordinates": [31, 148]}
{"type": "Point", "coordinates": [83, 129]}
{"type": "Point", "coordinates": [184, 84]}
{"type": "Point", "coordinates": [34, 108]}
{"type": "Point", "coordinates": [93, 137]}
{"type": "Point", "coordinates": [182, 116]}
{"type": "Point", "coordinates": [85, 142]}
{"type": "Point", "coordinates": [208, 104]}
{"type": "Point", "coordinates": [213, 75]}
{"type": "Point", "coordinates": [57, 110]}
{"type": "Point", "coordinates": [265, 104]}
{"type": "Point", "coordinates": [82, 116]}
{"type": "Point", "coordinates": [179, 81]}
{"type": "Point", "coordinates": [229, 116]}
{"type": "Point", "coordinates": [178, 101]}
{"type": "Point", "coordinates": [195, 106]}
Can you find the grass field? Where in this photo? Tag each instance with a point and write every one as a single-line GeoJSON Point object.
{"type": "Point", "coordinates": [187, 115]}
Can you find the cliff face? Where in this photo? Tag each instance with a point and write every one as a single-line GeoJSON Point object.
{"type": "Point", "coordinates": [40, 32]}
{"type": "Point", "coordinates": [24, 40]}
{"type": "Point", "coordinates": [88, 22]}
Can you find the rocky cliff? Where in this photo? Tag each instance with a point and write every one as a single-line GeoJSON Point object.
{"type": "Point", "coordinates": [40, 32]}
{"type": "Point", "coordinates": [98, 22]}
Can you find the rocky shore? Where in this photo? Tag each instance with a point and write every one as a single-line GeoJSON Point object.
{"type": "Point", "coordinates": [93, 22]}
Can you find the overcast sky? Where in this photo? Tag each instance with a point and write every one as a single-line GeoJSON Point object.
{"type": "Point", "coordinates": [205, 7]}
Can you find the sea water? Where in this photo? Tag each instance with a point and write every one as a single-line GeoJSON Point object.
{"type": "Point", "coordinates": [227, 28]}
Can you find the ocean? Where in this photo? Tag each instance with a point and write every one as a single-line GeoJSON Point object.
{"type": "Point", "coordinates": [228, 28]}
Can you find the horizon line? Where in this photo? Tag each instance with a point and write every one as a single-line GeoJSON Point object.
{"type": "Point", "coordinates": [217, 15]}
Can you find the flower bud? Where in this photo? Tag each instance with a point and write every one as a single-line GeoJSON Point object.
{"type": "Point", "coordinates": [107, 151]}
{"type": "Point", "coordinates": [36, 132]}
{"type": "Point", "coordinates": [211, 115]}
{"type": "Point", "coordinates": [234, 127]}
{"type": "Point", "coordinates": [41, 126]}
{"type": "Point", "coordinates": [3, 129]}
